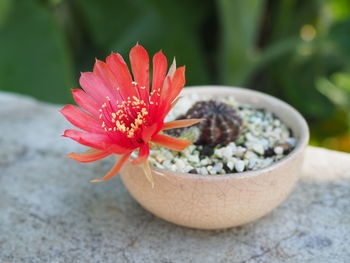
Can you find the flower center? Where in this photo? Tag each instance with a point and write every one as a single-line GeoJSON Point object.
{"type": "Point", "coordinates": [126, 117]}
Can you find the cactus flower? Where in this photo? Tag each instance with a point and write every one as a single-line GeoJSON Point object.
{"type": "Point", "coordinates": [120, 113]}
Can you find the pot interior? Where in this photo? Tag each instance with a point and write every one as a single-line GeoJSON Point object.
{"type": "Point", "coordinates": [291, 117]}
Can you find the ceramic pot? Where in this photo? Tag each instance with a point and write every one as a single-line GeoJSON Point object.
{"type": "Point", "coordinates": [222, 201]}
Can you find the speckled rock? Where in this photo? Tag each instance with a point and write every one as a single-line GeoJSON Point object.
{"type": "Point", "coordinates": [49, 212]}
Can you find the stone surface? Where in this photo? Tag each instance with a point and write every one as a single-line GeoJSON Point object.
{"type": "Point", "coordinates": [49, 212]}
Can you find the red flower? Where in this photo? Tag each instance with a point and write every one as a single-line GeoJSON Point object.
{"type": "Point", "coordinates": [120, 114]}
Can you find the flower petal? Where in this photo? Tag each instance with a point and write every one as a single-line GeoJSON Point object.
{"type": "Point", "coordinates": [180, 123]}
{"type": "Point", "coordinates": [122, 74]}
{"type": "Point", "coordinates": [86, 102]}
{"type": "Point", "coordinates": [94, 140]}
{"type": "Point", "coordinates": [177, 83]}
{"type": "Point", "coordinates": [88, 156]}
{"type": "Point", "coordinates": [95, 87]}
{"type": "Point", "coordinates": [139, 61]}
{"type": "Point", "coordinates": [103, 71]}
{"type": "Point", "coordinates": [148, 132]}
{"type": "Point", "coordinates": [115, 169]}
{"type": "Point", "coordinates": [143, 155]}
{"type": "Point", "coordinates": [81, 119]}
{"type": "Point", "coordinates": [159, 70]}
{"type": "Point", "coordinates": [171, 90]}
{"type": "Point", "coordinates": [171, 142]}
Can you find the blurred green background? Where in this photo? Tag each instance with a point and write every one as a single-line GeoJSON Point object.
{"type": "Point", "coordinates": [296, 50]}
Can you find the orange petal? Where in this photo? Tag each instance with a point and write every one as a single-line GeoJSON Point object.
{"type": "Point", "coordinates": [180, 123]}
{"type": "Point", "coordinates": [143, 155]}
{"type": "Point", "coordinates": [171, 142]}
{"type": "Point", "coordinates": [115, 169]}
{"type": "Point", "coordinates": [88, 156]}
{"type": "Point", "coordinates": [148, 132]}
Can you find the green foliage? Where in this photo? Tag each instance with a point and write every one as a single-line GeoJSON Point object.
{"type": "Point", "coordinates": [171, 25]}
{"type": "Point", "coordinates": [239, 20]}
{"type": "Point", "coordinates": [33, 55]}
{"type": "Point", "coordinates": [294, 49]}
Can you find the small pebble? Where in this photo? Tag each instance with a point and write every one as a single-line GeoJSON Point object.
{"type": "Point", "coordinates": [227, 152]}
{"type": "Point", "coordinates": [249, 155]}
{"type": "Point", "coordinates": [217, 167]}
{"type": "Point", "coordinates": [203, 170]}
{"type": "Point", "coordinates": [258, 148]}
{"type": "Point", "coordinates": [193, 171]}
{"type": "Point", "coordinates": [232, 145]}
{"type": "Point", "coordinates": [180, 164]}
{"type": "Point", "coordinates": [240, 151]}
{"type": "Point", "coordinates": [278, 150]}
{"type": "Point", "coordinates": [204, 161]}
{"type": "Point", "coordinates": [230, 165]}
{"type": "Point", "coordinates": [239, 166]}
{"type": "Point", "coordinates": [194, 158]}
{"type": "Point", "coordinates": [277, 122]}
{"type": "Point", "coordinates": [252, 162]}
{"type": "Point", "coordinates": [218, 152]}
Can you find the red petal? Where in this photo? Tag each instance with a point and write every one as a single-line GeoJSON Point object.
{"type": "Point", "coordinates": [121, 72]}
{"type": "Point", "coordinates": [177, 83]}
{"type": "Point", "coordinates": [97, 141]}
{"type": "Point", "coordinates": [148, 132]}
{"type": "Point", "coordinates": [166, 102]}
{"type": "Point", "coordinates": [143, 155]}
{"type": "Point", "coordinates": [139, 61]}
{"type": "Point", "coordinates": [159, 70]}
{"type": "Point", "coordinates": [171, 142]}
{"type": "Point", "coordinates": [115, 169]}
{"type": "Point", "coordinates": [95, 87]}
{"type": "Point", "coordinates": [180, 123]}
{"type": "Point", "coordinates": [86, 102]}
{"type": "Point", "coordinates": [172, 89]}
{"type": "Point", "coordinates": [81, 119]}
{"type": "Point", "coordinates": [103, 71]}
{"type": "Point", "coordinates": [88, 157]}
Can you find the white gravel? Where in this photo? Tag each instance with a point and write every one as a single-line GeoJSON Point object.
{"type": "Point", "coordinates": [265, 139]}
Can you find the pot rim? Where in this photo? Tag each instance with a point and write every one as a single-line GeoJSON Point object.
{"type": "Point", "coordinates": [298, 150]}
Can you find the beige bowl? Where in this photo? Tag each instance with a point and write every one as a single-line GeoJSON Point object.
{"type": "Point", "coordinates": [222, 201]}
